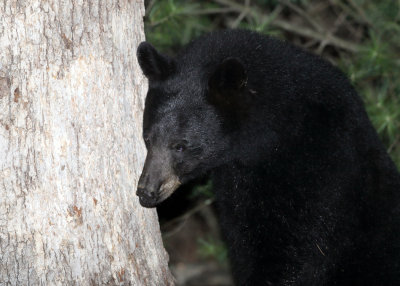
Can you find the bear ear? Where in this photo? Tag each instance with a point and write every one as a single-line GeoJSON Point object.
{"type": "Point", "coordinates": [229, 77]}
{"type": "Point", "coordinates": [154, 65]}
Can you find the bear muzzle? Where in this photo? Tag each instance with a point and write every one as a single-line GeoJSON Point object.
{"type": "Point", "coordinates": [147, 199]}
{"type": "Point", "coordinates": [158, 179]}
{"type": "Point", "coordinates": [151, 198]}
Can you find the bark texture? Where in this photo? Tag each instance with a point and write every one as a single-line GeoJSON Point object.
{"type": "Point", "coordinates": [71, 102]}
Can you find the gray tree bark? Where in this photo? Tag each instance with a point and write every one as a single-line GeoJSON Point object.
{"type": "Point", "coordinates": [71, 102]}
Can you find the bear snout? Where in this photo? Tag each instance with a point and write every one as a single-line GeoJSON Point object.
{"type": "Point", "coordinates": [147, 198]}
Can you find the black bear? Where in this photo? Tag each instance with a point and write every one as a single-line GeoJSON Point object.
{"type": "Point", "coordinates": [306, 193]}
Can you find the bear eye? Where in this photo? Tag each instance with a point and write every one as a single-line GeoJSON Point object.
{"type": "Point", "coordinates": [180, 147]}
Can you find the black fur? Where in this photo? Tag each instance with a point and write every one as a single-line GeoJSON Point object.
{"type": "Point", "coordinates": [307, 194]}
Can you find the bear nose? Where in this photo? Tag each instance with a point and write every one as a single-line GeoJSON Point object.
{"type": "Point", "coordinates": [147, 198]}
{"type": "Point", "coordinates": [142, 192]}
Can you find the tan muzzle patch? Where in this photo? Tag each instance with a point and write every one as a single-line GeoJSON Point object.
{"type": "Point", "coordinates": [168, 187]}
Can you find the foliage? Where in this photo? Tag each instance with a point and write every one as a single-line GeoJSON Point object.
{"type": "Point", "coordinates": [362, 37]}
{"type": "Point", "coordinates": [210, 247]}
{"type": "Point", "coordinates": [375, 71]}
{"type": "Point", "coordinates": [170, 24]}
{"type": "Point", "coordinates": [203, 191]}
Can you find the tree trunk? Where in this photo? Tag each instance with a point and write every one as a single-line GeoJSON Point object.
{"type": "Point", "coordinates": [71, 102]}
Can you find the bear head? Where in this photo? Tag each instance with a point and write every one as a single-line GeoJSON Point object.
{"type": "Point", "coordinates": [183, 123]}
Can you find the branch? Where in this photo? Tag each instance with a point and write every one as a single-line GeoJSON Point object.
{"type": "Point", "coordinates": [181, 220]}
{"type": "Point", "coordinates": [302, 31]}
{"type": "Point", "coordinates": [305, 32]}
{"type": "Point", "coordinates": [302, 13]}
